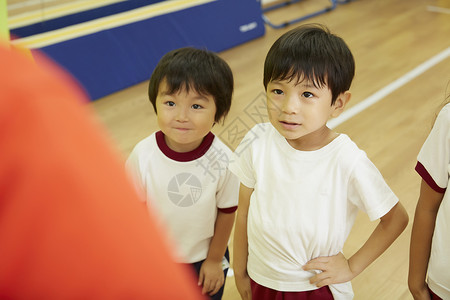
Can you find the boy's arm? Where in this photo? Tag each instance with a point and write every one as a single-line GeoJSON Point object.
{"type": "Point", "coordinates": [211, 272]}
{"type": "Point", "coordinates": [337, 269]}
{"type": "Point", "coordinates": [240, 244]}
{"type": "Point", "coordinates": [421, 236]}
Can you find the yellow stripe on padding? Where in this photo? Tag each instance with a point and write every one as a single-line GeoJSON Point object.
{"type": "Point", "coordinates": [78, 30]}
{"type": "Point", "coordinates": [56, 11]}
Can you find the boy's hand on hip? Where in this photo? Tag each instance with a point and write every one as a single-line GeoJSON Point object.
{"type": "Point", "coordinates": [243, 286]}
{"type": "Point", "coordinates": [211, 277]}
{"type": "Point", "coordinates": [334, 269]}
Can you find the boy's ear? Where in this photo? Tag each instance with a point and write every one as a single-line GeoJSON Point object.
{"type": "Point", "coordinates": [340, 103]}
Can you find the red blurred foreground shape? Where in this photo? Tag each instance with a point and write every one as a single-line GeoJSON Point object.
{"type": "Point", "coordinates": [71, 224]}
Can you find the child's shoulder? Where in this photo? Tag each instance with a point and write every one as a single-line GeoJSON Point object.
{"type": "Point", "coordinates": [347, 150]}
{"type": "Point", "coordinates": [442, 122]}
{"type": "Point", "coordinates": [347, 141]}
{"type": "Point", "coordinates": [220, 149]}
{"type": "Point", "coordinates": [261, 130]}
{"type": "Point", "coordinates": [260, 135]}
{"type": "Point", "coordinates": [146, 145]}
{"type": "Point", "coordinates": [445, 112]}
{"type": "Point", "coordinates": [218, 142]}
{"type": "Point", "coordinates": [263, 127]}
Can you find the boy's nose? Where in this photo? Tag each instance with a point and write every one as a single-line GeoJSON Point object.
{"type": "Point", "coordinates": [290, 105]}
{"type": "Point", "coordinates": [182, 115]}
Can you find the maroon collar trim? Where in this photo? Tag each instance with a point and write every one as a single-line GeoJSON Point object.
{"type": "Point", "coordinates": [184, 156]}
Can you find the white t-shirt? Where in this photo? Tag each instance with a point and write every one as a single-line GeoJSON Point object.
{"type": "Point", "coordinates": [434, 167]}
{"type": "Point", "coordinates": [186, 189]}
{"type": "Point", "coordinates": [304, 204]}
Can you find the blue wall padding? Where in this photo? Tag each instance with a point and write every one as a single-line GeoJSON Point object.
{"type": "Point", "coordinates": [114, 59]}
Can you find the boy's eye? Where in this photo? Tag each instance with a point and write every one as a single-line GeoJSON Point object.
{"type": "Point", "coordinates": [308, 95]}
{"type": "Point", "coordinates": [277, 92]}
{"type": "Point", "coordinates": [196, 106]}
{"type": "Point", "coordinates": [170, 103]}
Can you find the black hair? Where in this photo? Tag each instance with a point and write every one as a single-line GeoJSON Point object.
{"type": "Point", "coordinates": [311, 52]}
{"type": "Point", "coordinates": [197, 69]}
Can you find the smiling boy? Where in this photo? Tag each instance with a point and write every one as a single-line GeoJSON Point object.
{"type": "Point", "coordinates": [183, 168]}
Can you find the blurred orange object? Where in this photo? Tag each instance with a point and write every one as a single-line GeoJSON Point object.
{"type": "Point", "coordinates": [71, 225]}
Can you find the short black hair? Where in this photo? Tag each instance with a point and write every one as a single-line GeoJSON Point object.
{"type": "Point", "coordinates": [197, 69]}
{"type": "Point", "coordinates": [311, 52]}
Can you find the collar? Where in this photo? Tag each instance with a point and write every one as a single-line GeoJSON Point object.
{"type": "Point", "coordinates": [184, 156]}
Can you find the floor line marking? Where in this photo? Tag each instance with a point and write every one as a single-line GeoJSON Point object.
{"type": "Point", "coordinates": [380, 94]}
{"type": "Point", "coordinates": [438, 9]}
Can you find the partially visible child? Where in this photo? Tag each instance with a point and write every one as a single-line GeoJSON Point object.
{"type": "Point", "coordinates": [302, 184]}
{"type": "Point", "coordinates": [183, 168]}
{"type": "Point", "coordinates": [430, 238]}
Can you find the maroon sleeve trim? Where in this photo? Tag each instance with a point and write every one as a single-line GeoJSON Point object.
{"type": "Point", "coordinates": [428, 179]}
{"type": "Point", "coordinates": [228, 210]}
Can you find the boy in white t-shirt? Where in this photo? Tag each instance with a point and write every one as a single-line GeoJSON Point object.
{"type": "Point", "coordinates": [302, 184]}
{"type": "Point", "coordinates": [183, 168]}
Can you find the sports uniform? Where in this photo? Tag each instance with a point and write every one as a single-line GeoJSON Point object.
{"type": "Point", "coordinates": [186, 189]}
{"type": "Point", "coordinates": [304, 204]}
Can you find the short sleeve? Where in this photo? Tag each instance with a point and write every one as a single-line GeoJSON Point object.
{"type": "Point", "coordinates": [433, 159]}
{"type": "Point", "coordinates": [228, 193]}
{"type": "Point", "coordinates": [369, 191]}
{"type": "Point", "coordinates": [242, 162]}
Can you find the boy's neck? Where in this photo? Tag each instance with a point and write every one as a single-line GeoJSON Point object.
{"type": "Point", "coordinates": [315, 140]}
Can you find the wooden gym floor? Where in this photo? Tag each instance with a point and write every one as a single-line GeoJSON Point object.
{"type": "Point", "coordinates": [402, 58]}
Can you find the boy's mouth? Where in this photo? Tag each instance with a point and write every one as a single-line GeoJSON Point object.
{"type": "Point", "coordinates": [182, 128]}
{"type": "Point", "coordinates": [289, 125]}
